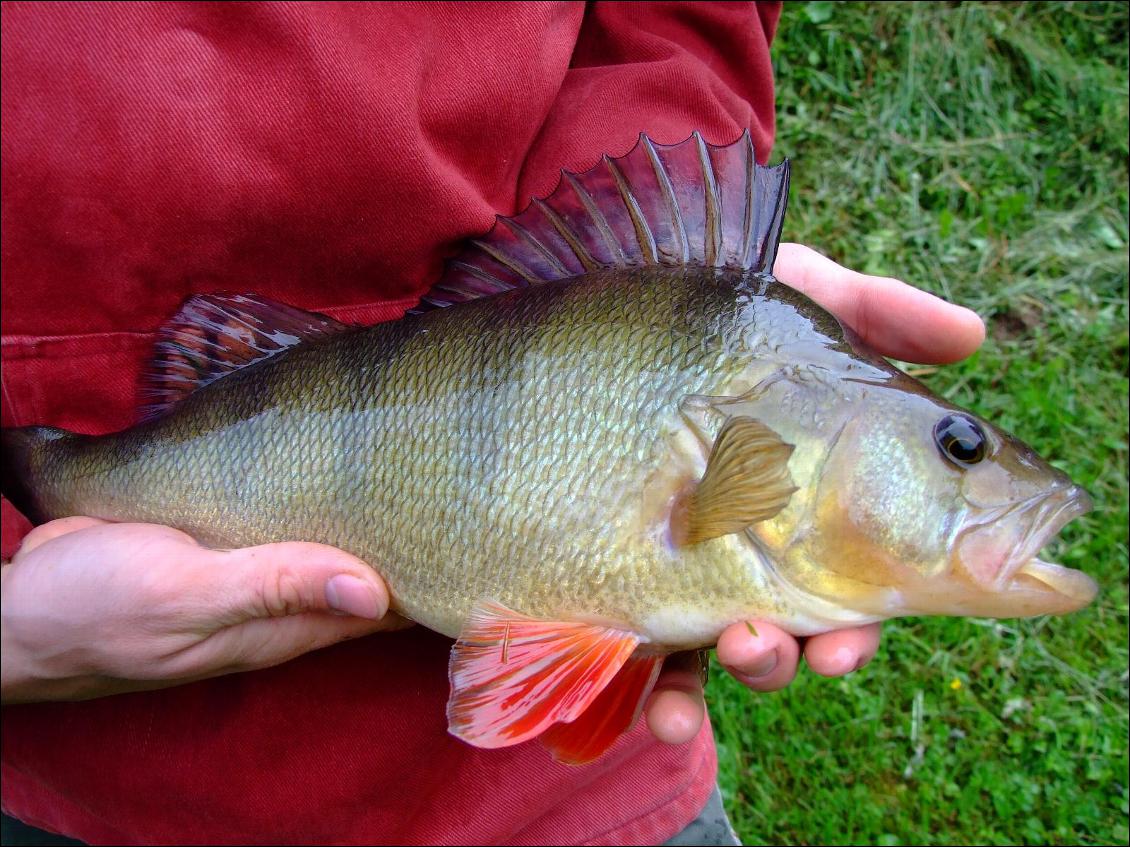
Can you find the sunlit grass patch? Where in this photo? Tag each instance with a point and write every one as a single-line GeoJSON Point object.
{"type": "Point", "coordinates": [978, 151]}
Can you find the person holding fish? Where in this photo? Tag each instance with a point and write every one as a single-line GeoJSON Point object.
{"type": "Point", "coordinates": [598, 444]}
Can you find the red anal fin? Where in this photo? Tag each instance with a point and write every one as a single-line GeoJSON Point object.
{"type": "Point", "coordinates": [215, 334]}
{"type": "Point", "coordinates": [513, 676]}
{"type": "Point", "coordinates": [611, 714]}
{"type": "Point", "coordinates": [690, 203]}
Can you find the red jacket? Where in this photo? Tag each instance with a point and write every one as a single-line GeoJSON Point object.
{"type": "Point", "coordinates": [328, 156]}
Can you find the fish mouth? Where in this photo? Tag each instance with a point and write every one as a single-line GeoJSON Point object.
{"type": "Point", "coordinates": [998, 552]}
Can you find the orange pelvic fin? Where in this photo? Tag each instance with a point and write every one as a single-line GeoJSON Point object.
{"type": "Point", "coordinates": [611, 714]}
{"type": "Point", "coordinates": [514, 676]}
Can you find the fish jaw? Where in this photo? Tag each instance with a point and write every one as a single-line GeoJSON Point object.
{"type": "Point", "coordinates": [996, 555]}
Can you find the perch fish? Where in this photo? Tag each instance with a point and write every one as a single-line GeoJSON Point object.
{"type": "Point", "coordinates": [605, 435]}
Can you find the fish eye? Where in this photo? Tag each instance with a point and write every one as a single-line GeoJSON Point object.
{"type": "Point", "coordinates": [961, 440]}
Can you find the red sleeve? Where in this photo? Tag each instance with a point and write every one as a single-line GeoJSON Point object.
{"type": "Point", "coordinates": [328, 156]}
{"type": "Point", "coordinates": [666, 69]}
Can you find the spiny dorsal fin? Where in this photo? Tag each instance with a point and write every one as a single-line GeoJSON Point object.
{"type": "Point", "coordinates": [214, 334]}
{"type": "Point", "coordinates": [747, 480]}
{"type": "Point", "coordinates": [681, 204]}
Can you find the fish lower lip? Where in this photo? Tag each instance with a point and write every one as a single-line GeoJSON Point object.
{"type": "Point", "coordinates": [1072, 585]}
{"type": "Point", "coordinates": [1055, 512]}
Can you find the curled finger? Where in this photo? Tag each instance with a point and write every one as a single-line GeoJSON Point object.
{"type": "Point", "coordinates": [676, 709]}
{"type": "Point", "coordinates": [759, 655]}
{"type": "Point", "coordinates": [843, 651]}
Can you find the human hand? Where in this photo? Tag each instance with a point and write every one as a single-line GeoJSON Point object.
{"type": "Point", "coordinates": [895, 320]}
{"type": "Point", "coordinates": [91, 608]}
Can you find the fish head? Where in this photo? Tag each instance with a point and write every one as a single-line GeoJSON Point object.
{"type": "Point", "coordinates": [914, 506]}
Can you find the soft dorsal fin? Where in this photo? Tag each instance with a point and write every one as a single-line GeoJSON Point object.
{"type": "Point", "coordinates": [214, 334]}
{"type": "Point", "coordinates": [681, 204]}
{"type": "Point", "coordinates": [513, 676]}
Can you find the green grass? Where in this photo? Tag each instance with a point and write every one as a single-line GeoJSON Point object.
{"type": "Point", "coordinates": [978, 151]}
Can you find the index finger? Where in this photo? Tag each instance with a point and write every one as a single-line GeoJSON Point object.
{"type": "Point", "coordinates": [895, 319]}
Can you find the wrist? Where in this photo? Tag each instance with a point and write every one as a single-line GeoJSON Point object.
{"type": "Point", "coordinates": [22, 679]}
{"type": "Point", "coordinates": [16, 675]}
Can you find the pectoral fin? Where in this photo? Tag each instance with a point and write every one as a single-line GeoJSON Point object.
{"type": "Point", "coordinates": [747, 480]}
{"type": "Point", "coordinates": [513, 676]}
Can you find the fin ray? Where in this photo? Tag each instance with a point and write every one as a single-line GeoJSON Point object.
{"type": "Point", "coordinates": [599, 222]}
{"type": "Point", "coordinates": [747, 480]}
{"type": "Point", "coordinates": [690, 203]}
{"type": "Point", "coordinates": [644, 237]}
{"type": "Point", "coordinates": [612, 713]}
{"type": "Point", "coordinates": [712, 237]}
{"type": "Point", "coordinates": [213, 335]}
{"type": "Point", "coordinates": [571, 238]}
{"type": "Point", "coordinates": [513, 676]}
{"type": "Point", "coordinates": [679, 254]}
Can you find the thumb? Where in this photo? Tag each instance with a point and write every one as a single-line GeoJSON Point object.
{"type": "Point", "coordinates": [290, 578]}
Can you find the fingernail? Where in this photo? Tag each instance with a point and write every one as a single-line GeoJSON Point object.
{"type": "Point", "coordinates": [763, 666]}
{"type": "Point", "coordinates": [353, 596]}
